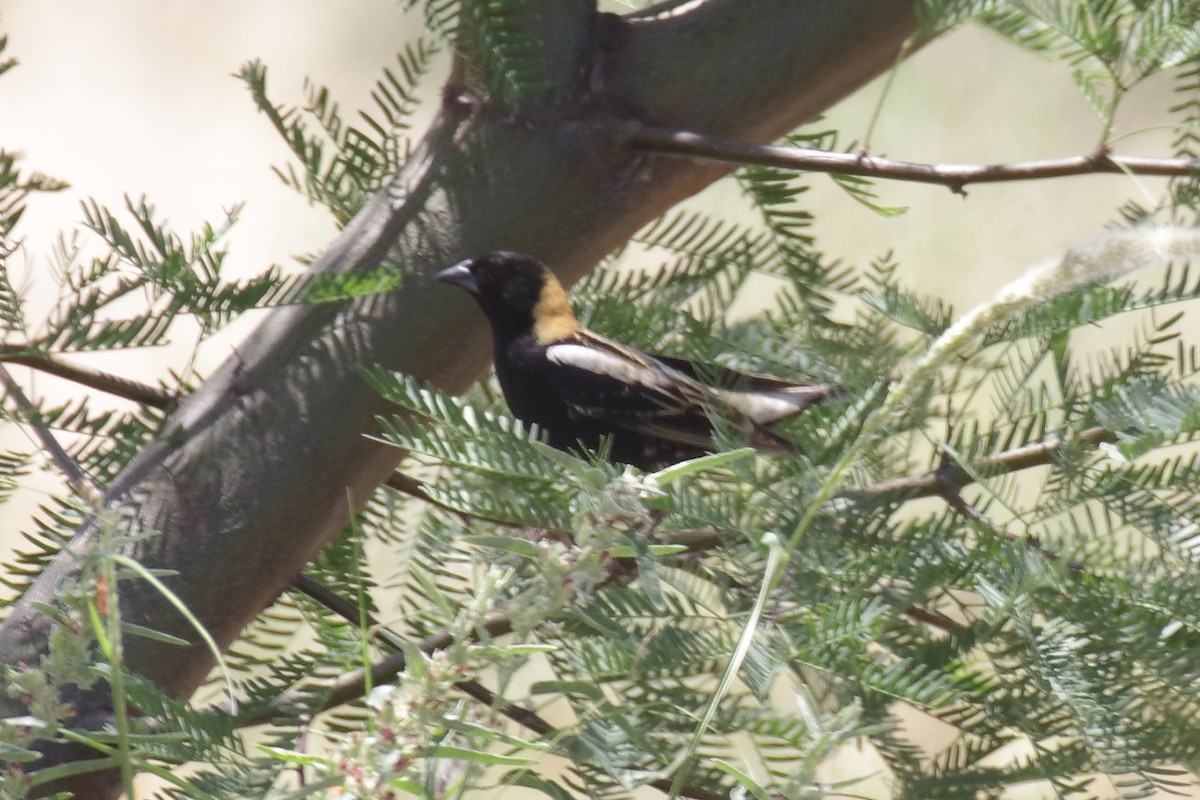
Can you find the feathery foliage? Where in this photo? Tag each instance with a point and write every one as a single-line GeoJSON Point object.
{"type": "Point", "coordinates": [1034, 596]}
{"type": "Point", "coordinates": [340, 164]}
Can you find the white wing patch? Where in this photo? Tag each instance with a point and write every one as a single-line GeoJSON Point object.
{"type": "Point", "coordinates": [762, 408]}
{"type": "Point", "coordinates": [772, 406]}
{"type": "Point", "coordinates": [680, 8]}
{"type": "Point", "coordinates": [609, 365]}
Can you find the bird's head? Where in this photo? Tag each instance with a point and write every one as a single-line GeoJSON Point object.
{"type": "Point", "coordinates": [517, 293]}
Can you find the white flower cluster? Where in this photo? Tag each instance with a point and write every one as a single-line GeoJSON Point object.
{"type": "Point", "coordinates": [572, 571]}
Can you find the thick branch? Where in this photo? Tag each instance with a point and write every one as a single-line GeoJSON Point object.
{"type": "Point", "coordinates": [954, 176]}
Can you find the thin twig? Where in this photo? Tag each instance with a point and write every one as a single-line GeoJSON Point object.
{"type": "Point", "coordinates": [414, 488]}
{"type": "Point", "coordinates": [142, 393]}
{"type": "Point", "coordinates": [935, 620]}
{"type": "Point", "coordinates": [352, 685]}
{"type": "Point", "coordinates": [953, 176]}
{"type": "Point", "coordinates": [952, 494]}
{"type": "Point", "coordinates": [667, 786]}
{"type": "Point", "coordinates": [935, 482]}
{"type": "Point", "coordinates": [350, 612]}
{"type": "Point", "coordinates": [406, 484]}
{"type": "Point", "coordinates": [81, 483]}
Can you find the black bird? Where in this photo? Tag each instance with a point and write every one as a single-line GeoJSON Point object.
{"type": "Point", "coordinates": [581, 388]}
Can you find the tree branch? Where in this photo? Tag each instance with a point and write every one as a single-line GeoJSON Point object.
{"type": "Point", "coordinates": [953, 496]}
{"type": "Point", "coordinates": [80, 481]}
{"type": "Point", "coordinates": [352, 685]}
{"type": "Point", "coordinates": [956, 177]}
{"type": "Point", "coordinates": [155, 397]}
{"type": "Point", "coordinates": [349, 611]}
{"type": "Point", "coordinates": [267, 460]}
{"type": "Point", "coordinates": [937, 481]}
{"type": "Point", "coordinates": [406, 484]}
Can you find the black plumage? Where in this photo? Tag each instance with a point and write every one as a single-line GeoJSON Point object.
{"type": "Point", "coordinates": [583, 389]}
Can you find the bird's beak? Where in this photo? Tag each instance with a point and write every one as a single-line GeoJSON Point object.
{"type": "Point", "coordinates": [459, 275]}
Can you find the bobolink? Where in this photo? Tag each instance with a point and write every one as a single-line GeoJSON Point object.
{"type": "Point", "coordinates": [581, 388]}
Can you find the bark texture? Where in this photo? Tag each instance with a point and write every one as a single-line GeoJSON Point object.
{"type": "Point", "coordinates": [266, 461]}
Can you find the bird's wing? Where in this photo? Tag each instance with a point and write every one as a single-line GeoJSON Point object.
{"type": "Point", "coordinates": [763, 398]}
{"type": "Point", "coordinates": [605, 380]}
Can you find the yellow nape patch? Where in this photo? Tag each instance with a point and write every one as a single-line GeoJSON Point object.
{"type": "Point", "coordinates": [553, 319]}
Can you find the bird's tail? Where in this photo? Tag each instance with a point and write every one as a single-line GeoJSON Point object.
{"type": "Point", "coordinates": [767, 406]}
{"type": "Point", "coordinates": [763, 398]}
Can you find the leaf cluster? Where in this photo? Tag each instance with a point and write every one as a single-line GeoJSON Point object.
{"type": "Point", "coordinates": [1109, 45]}
{"type": "Point", "coordinates": [342, 164]}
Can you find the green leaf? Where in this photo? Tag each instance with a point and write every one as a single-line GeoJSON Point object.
{"type": "Point", "coordinates": [683, 469]}
{"type": "Point", "coordinates": [508, 544]}
{"type": "Point", "coordinates": [479, 757]}
{"type": "Point", "coordinates": [743, 779]}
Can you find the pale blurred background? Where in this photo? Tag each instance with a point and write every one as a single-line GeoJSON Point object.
{"type": "Point", "coordinates": [137, 98]}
